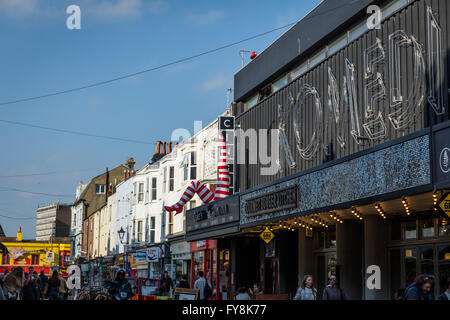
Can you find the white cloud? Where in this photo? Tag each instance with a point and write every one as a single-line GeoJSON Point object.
{"type": "Point", "coordinates": [107, 10]}
{"type": "Point", "coordinates": [217, 82]}
{"type": "Point", "coordinates": [283, 20]}
{"type": "Point", "coordinates": [157, 6]}
{"type": "Point", "coordinates": [19, 8]}
{"type": "Point", "coordinates": [206, 18]}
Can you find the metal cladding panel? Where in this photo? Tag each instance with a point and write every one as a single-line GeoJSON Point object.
{"type": "Point", "coordinates": [412, 20]}
{"type": "Point", "coordinates": [319, 23]}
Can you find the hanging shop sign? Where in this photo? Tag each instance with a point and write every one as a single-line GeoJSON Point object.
{"type": "Point", "coordinates": [226, 123]}
{"type": "Point", "coordinates": [445, 204]}
{"type": "Point", "coordinates": [50, 256]}
{"type": "Point", "coordinates": [276, 201]}
{"type": "Point", "coordinates": [139, 256]}
{"type": "Point", "coordinates": [153, 254]}
{"type": "Point", "coordinates": [216, 213]}
{"type": "Point", "coordinates": [441, 156]}
{"type": "Point", "coordinates": [267, 235]}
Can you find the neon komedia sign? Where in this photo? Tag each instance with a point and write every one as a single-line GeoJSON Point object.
{"type": "Point", "coordinates": [342, 94]}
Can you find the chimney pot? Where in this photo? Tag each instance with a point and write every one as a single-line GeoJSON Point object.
{"type": "Point", "coordinates": [163, 151]}
{"type": "Point", "coordinates": [169, 147]}
{"type": "Point", "coordinates": [158, 147]}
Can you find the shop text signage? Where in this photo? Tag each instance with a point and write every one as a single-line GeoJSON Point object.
{"type": "Point", "coordinates": [267, 235]}
{"type": "Point", "coordinates": [272, 202]}
{"type": "Point", "coordinates": [441, 156]}
{"type": "Point", "coordinates": [445, 204]}
{"type": "Point", "coordinates": [212, 214]}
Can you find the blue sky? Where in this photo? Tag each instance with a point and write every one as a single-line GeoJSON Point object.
{"type": "Point", "coordinates": [40, 55]}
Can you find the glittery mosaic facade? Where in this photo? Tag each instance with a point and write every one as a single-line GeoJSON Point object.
{"type": "Point", "coordinates": [402, 166]}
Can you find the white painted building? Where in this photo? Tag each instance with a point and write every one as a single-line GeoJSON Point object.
{"type": "Point", "coordinates": [123, 215]}
{"type": "Point", "coordinates": [76, 224]}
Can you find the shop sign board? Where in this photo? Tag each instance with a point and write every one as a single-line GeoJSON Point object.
{"type": "Point", "coordinates": [216, 213]}
{"type": "Point", "coordinates": [139, 256]}
{"type": "Point", "coordinates": [50, 256]}
{"type": "Point", "coordinates": [267, 235]}
{"type": "Point", "coordinates": [441, 156]}
{"type": "Point", "coordinates": [153, 254]}
{"type": "Point", "coordinates": [445, 204]}
{"type": "Point", "coordinates": [276, 201]}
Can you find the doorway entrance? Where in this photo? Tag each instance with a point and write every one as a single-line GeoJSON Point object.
{"type": "Point", "coordinates": [324, 266]}
{"type": "Point", "coordinates": [409, 261]}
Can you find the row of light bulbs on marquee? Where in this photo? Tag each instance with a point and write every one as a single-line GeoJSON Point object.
{"type": "Point", "coordinates": [291, 225]}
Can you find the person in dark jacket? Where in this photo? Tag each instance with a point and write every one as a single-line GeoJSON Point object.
{"type": "Point", "coordinates": [166, 284]}
{"type": "Point", "coordinates": [446, 294]}
{"type": "Point", "coordinates": [333, 291]}
{"type": "Point", "coordinates": [53, 286]}
{"type": "Point", "coordinates": [120, 288]}
{"type": "Point", "coordinates": [421, 288]}
{"type": "Point", "coordinates": [43, 283]}
{"type": "Point", "coordinates": [183, 282]}
{"type": "Point", "coordinates": [28, 292]}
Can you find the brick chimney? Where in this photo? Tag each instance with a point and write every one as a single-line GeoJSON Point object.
{"type": "Point", "coordinates": [19, 234]}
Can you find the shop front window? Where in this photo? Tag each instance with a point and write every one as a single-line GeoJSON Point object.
{"type": "Point", "coordinates": [198, 263]}
{"type": "Point", "coordinates": [224, 272]}
{"type": "Point", "coordinates": [427, 228]}
{"type": "Point", "coordinates": [444, 266]}
{"type": "Point", "coordinates": [427, 260]}
{"type": "Point", "coordinates": [444, 228]}
{"type": "Point", "coordinates": [214, 272]}
{"type": "Point", "coordinates": [410, 265]}
{"type": "Point", "coordinates": [409, 230]}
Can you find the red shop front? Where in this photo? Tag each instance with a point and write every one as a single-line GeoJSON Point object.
{"type": "Point", "coordinates": [215, 264]}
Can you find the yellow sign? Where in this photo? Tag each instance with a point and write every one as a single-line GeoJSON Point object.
{"type": "Point", "coordinates": [445, 205]}
{"type": "Point", "coordinates": [267, 235]}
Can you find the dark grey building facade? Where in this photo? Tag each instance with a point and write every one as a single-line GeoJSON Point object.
{"type": "Point", "coordinates": [359, 114]}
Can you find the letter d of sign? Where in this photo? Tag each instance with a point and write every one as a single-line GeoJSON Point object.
{"type": "Point", "coordinates": [374, 280]}
{"type": "Point", "coordinates": [74, 20]}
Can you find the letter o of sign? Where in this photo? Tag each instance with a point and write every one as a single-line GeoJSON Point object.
{"type": "Point", "coordinates": [308, 151]}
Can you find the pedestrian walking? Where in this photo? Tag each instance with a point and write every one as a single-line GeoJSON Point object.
{"type": "Point", "coordinates": [203, 286]}
{"type": "Point", "coordinates": [421, 288]}
{"type": "Point", "coordinates": [53, 286]}
{"type": "Point", "coordinates": [28, 292]}
{"type": "Point", "coordinates": [166, 284]}
{"type": "Point", "coordinates": [446, 294]}
{"type": "Point", "coordinates": [62, 293]}
{"type": "Point", "coordinates": [13, 283]}
{"type": "Point", "coordinates": [306, 290]}
{"type": "Point", "coordinates": [35, 285]}
{"type": "Point", "coordinates": [183, 283]}
{"type": "Point", "coordinates": [257, 290]}
{"type": "Point", "coordinates": [43, 283]}
{"type": "Point", "coordinates": [333, 291]}
{"type": "Point", "coordinates": [242, 294]}
{"type": "Point", "coordinates": [2, 292]}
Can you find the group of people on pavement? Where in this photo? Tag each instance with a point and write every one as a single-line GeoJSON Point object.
{"type": "Point", "coordinates": [20, 285]}
{"type": "Point", "coordinates": [307, 291]}
{"type": "Point", "coordinates": [421, 289]}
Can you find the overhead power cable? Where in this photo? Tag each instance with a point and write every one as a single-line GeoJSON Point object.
{"type": "Point", "coordinates": [37, 193]}
{"type": "Point", "coordinates": [129, 75]}
{"type": "Point", "coordinates": [75, 132]}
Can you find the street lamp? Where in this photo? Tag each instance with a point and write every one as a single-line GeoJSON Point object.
{"type": "Point", "coordinates": [121, 234]}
